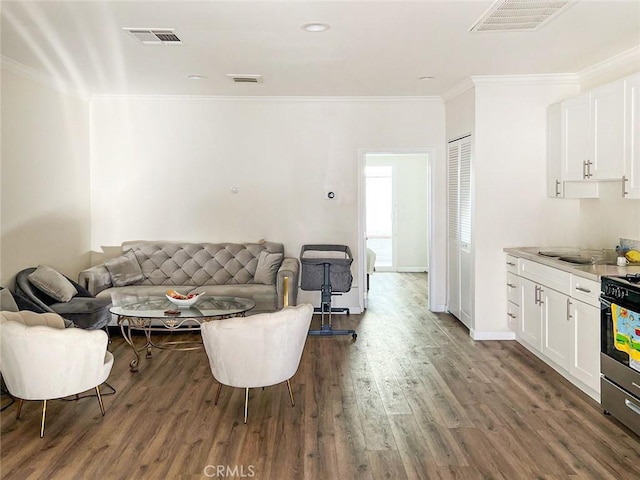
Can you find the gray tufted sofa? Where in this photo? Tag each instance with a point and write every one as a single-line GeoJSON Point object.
{"type": "Point", "coordinates": [226, 269]}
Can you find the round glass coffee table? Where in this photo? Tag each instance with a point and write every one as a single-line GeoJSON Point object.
{"type": "Point", "coordinates": [154, 314]}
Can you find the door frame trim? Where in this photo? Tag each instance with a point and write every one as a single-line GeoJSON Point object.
{"type": "Point", "coordinates": [431, 153]}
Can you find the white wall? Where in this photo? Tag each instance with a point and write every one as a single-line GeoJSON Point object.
{"type": "Point", "coordinates": [413, 213]}
{"type": "Point", "coordinates": [510, 203]}
{"type": "Point", "coordinates": [163, 167]}
{"type": "Point", "coordinates": [45, 179]}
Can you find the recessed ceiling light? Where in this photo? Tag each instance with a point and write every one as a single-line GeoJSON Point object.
{"type": "Point", "coordinates": [196, 77]}
{"type": "Point", "coordinates": [315, 27]}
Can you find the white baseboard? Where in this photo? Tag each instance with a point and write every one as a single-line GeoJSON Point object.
{"type": "Point", "coordinates": [412, 269]}
{"type": "Point", "coordinates": [500, 335]}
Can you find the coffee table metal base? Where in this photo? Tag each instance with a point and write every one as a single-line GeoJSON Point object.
{"type": "Point", "coordinates": [130, 324]}
{"type": "Point", "coordinates": [157, 314]}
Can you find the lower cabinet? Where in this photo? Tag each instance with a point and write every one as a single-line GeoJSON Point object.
{"type": "Point", "coordinates": [557, 327]}
{"type": "Point", "coordinates": [513, 317]}
{"type": "Point", "coordinates": [585, 365]}
{"type": "Point", "coordinates": [560, 329]}
{"type": "Point", "coordinates": [531, 321]}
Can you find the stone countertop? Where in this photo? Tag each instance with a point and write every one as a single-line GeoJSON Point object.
{"type": "Point", "coordinates": [590, 271]}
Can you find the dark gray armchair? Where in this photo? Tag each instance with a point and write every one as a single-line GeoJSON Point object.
{"type": "Point", "coordinates": [84, 310]}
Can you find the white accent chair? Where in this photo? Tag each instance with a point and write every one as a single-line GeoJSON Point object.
{"type": "Point", "coordinates": [42, 360]}
{"type": "Point", "coordinates": [257, 351]}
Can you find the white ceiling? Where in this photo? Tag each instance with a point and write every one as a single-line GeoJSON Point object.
{"type": "Point", "coordinates": [372, 48]}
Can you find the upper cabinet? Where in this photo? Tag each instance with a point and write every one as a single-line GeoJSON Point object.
{"type": "Point", "coordinates": [631, 179]}
{"type": "Point", "coordinates": [606, 132]}
{"type": "Point", "coordinates": [591, 137]}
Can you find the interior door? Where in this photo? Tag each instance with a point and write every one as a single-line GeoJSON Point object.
{"type": "Point", "coordinates": [460, 260]}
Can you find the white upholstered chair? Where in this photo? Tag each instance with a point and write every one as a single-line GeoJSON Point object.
{"type": "Point", "coordinates": [42, 360]}
{"type": "Point", "coordinates": [257, 351]}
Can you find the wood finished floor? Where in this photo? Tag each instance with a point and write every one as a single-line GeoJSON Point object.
{"type": "Point", "coordinates": [413, 398]}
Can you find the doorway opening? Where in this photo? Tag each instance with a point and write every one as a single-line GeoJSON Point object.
{"type": "Point", "coordinates": [380, 215]}
{"type": "Point", "coordinates": [394, 213]}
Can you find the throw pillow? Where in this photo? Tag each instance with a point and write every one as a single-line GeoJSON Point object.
{"type": "Point", "coordinates": [53, 283]}
{"type": "Point", "coordinates": [268, 265]}
{"type": "Point", "coordinates": [124, 270]}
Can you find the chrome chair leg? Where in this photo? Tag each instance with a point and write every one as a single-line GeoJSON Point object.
{"type": "Point", "coordinates": [20, 402]}
{"type": "Point", "coordinates": [218, 393]}
{"type": "Point", "coordinates": [246, 404]}
{"type": "Point", "coordinates": [100, 400]}
{"type": "Point", "coordinates": [44, 412]}
{"type": "Point", "coordinates": [293, 404]}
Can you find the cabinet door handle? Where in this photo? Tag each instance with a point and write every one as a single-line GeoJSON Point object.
{"type": "Point", "coordinates": [584, 169]}
{"type": "Point", "coordinates": [635, 384]}
{"type": "Point", "coordinates": [510, 285]}
{"type": "Point", "coordinates": [509, 314]}
{"type": "Point", "coordinates": [540, 291]}
{"type": "Point", "coordinates": [582, 289]}
{"type": "Point", "coordinates": [558, 188]}
{"type": "Point", "coordinates": [568, 310]}
{"type": "Point", "coordinates": [535, 295]}
{"type": "Point", "coordinates": [589, 174]}
{"type": "Point", "coordinates": [511, 264]}
{"type": "Point", "coordinates": [624, 186]}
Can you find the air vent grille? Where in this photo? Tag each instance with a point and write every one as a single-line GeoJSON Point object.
{"type": "Point", "coordinates": [241, 78]}
{"type": "Point", "coordinates": [155, 36]}
{"type": "Point", "coordinates": [520, 15]}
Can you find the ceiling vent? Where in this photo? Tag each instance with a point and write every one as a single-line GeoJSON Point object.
{"type": "Point", "coordinates": [519, 15]}
{"type": "Point", "coordinates": [155, 36]}
{"type": "Point", "coordinates": [240, 78]}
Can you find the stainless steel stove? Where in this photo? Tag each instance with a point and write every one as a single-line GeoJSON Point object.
{"type": "Point", "coordinates": [620, 352]}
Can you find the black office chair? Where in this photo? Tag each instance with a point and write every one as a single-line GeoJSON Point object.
{"type": "Point", "coordinates": [84, 310]}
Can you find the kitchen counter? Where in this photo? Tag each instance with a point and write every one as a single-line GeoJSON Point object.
{"type": "Point", "coordinates": [590, 271]}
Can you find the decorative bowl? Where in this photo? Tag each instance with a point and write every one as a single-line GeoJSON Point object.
{"type": "Point", "coordinates": [184, 302]}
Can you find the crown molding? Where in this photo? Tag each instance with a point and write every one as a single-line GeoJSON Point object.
{"type": "Point", "coordinates": [628, 59]}
{"type": "Point", "coordinates": [30, 73]}
{"type": "Point", "coordinates": [272, 99]}
{"type": "Point", "coordinates": [545, 79]}
{"type": "Point", "coordinates": [459, 89]}
{"type": "Point", "coordinates": [510, 80]}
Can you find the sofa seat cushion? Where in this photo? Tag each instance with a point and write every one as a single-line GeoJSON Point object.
{"type": "Point", "coordinates": [264, 295]}
{"type": "Point", "coordinates": [85, 312]}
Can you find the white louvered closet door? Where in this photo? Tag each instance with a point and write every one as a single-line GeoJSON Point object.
{"type": "Point", "coordinates": [459, 204]}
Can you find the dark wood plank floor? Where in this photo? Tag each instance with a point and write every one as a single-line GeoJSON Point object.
{"type": "Point", "coordinates": [413, 398]}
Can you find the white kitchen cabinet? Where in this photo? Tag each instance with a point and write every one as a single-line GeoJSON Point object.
{"type": "Point", "coordinates": [631, 179]}
{"type": "Point", "coordinates": [543, 323]}
{"type": "Point", "coordinates": [555, 183]}
{"type": "Point", "coordinates": [592, 134]}
{"type": "Point", "coordinates": [590, 138]}
{"type": "Point", "coordinates": [585, 348]}
{"type": "Point", "coordinates": [514, 296]}
{"type": "Point", "coordinates": [605, 158]}
{"type": "Point", "coordinates": [556, 326]}
{"type": "Point", "coordinates": [530, 315]}
{"type": "Point", "coordinates": [513, 318]}
{"type": "Point", "coordinates": [574, 138]}
{"type": "Point", "coordinates": [556, 315]}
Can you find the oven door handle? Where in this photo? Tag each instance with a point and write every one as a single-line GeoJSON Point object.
{"type": "Point", "coordinates": [605, 302]}
{"type": "Point", "coordinates": [632, 406]}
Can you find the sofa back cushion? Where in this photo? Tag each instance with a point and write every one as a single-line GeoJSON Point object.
{"type": "Point", "coordinates": [178, 263]}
